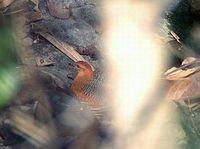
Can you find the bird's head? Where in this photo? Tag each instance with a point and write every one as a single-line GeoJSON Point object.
{"type": "Point", "coordinates": [84, 69]}
{"type": "Point", "coordinates": [83, 65]}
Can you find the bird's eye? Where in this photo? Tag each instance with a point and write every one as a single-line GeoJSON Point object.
{"type": "Point", "coordinates": [78, 66]}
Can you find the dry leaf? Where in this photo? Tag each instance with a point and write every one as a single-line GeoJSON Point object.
{"type": "Point", "coordinates": [183, 90]}
{"type": "Point", "coordinates": [35, 16]}
{"type": "Point", "coordinates": [182, 72]}
{"type": "Point", "coordinates": [184, 83]}
{"type": "Point", "coordinates": [175, 36]}
{"type": "Point", "coordinates": [20, 11]}
{"type": "Point", "coordinates": [36, 2]}
{"type": "Point", "coordinates": [63, 47]}
{"type": "Point", "coordinates": [58, 11]}
{"type": "Point", "coordinates": [60, 45]}
{"type": "Point", "coordinates": [5, 3]}
{"type": "Point", "coordinates": [179, 74]}
{"type": "Point", "coordinates": [27, 126]}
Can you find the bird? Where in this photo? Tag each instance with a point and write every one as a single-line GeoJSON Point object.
{"type": "Point", "coordinates": [85, 86]}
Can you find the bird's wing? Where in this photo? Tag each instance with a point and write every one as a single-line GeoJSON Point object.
{"type": "Point", "coordinates": [95, 88]}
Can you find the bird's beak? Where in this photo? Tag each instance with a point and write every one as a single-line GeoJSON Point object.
{"type": "Point", "coordinates": [92, 68]}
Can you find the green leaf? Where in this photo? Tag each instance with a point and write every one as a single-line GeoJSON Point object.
{"type": "Point", "coordinates": [9, 81]}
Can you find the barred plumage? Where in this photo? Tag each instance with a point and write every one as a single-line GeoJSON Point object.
{"type": "Point", "coordinates": [87, 86]}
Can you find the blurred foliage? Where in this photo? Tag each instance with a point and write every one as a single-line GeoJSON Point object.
{"type": "Point", "coordinates": [8, 61]}
{"type": "Point", "coordinates": [8, 83]}
{"type": "Point", "coordinates": [182, 19]}
{"type": "Point", "coordinates": [7, 45]}
{"type": "Point", "coordinates": [192, 138]}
